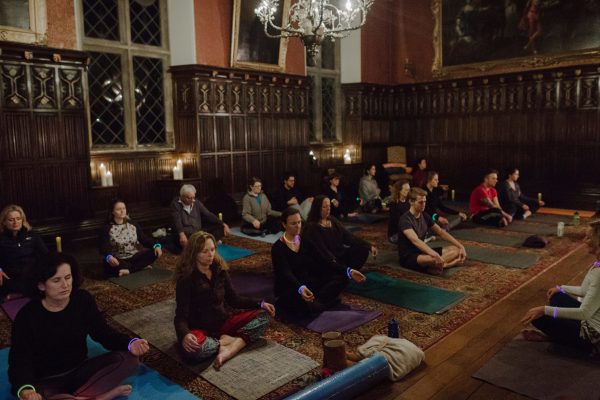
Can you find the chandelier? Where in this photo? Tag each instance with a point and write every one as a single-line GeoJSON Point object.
{"type": "Point", "coordinates": [314, 20]}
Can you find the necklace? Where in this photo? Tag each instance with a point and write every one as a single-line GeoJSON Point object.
{"type": "Point", "coordinates": [295, 241]}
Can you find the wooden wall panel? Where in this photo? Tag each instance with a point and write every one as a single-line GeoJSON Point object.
{"type": "Point", "coordinates": [223, 134]}
{"type": "Point", "coordinates": [206, 128]}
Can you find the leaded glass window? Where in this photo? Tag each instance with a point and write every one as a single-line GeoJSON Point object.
{"type": "Point", "coordinates": [101, 19]}
{"type": "Point", "coordinates": [145, 22]}
{"type": "Point", "coordinates": [149, 100]}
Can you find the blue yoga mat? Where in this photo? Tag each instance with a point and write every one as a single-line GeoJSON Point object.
{"type": "Point", "coordinates": [272, 238]}
{"type": "Point", "coordinates": [230, 253]}
{"type": "Point", "coordinates": [147, 383]}
{"type": "Point", "coordinates": [402, 293]}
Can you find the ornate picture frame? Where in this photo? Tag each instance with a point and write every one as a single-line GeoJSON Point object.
{"type": "Point", "coordinates": [478, 36]}
{"type": "Point", "coordinates": [24, 23]}
{"type": "Point", "coordinates": [251, 48]}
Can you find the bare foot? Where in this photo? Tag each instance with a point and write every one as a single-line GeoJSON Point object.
{"type": "Point", "coordinates": [123, 272]}
{"type": "Point", "coordinates": [533, 335]}
{"type": "Point", "coordinates": [228, 351]}
{"type": "Point", "coordinates": [122, 390]}
{"type": "Point", "coordinates": [225, 340]}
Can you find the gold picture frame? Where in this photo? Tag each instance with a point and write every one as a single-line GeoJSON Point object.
{"type": "Point", "coordinates": [446, 32]}
{"type": "Point", "coordinates": [251, 48]}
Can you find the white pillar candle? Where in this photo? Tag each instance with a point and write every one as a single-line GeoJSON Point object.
{"type": "Point", "coordinates": [102, 171]}
{"type": "Point", "coordinates": [175, 173]}
{"type": "Point", "coordinates": [109, 178]}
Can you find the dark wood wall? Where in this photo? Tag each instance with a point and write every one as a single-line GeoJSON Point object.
{"type": "Point", "coordinates": [235, 124]}
{"type": "Point", "coordinates": [546, 123]}
{"type": "Point", "coordinates": [44, 151]}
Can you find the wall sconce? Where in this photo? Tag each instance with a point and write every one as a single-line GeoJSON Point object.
{"type": "Point", "coordinates": [409, 68]}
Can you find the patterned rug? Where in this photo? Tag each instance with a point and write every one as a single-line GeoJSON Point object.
{"type": "Point", "coordinates": [483, 285]}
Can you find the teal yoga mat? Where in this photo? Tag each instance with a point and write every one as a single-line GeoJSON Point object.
{"type": "Point", "coordinates": [143, 278]}
{"type": "Point", "coordinates": [480, 236]}
{"type": "Point", "coordinates": [230, 253]}
{"type": "Point", "coordinates": [272, 238]}
{"type": "Point", "coordinates": [402, 293]}
{"type": "Point", "coordinates": [147, 383]}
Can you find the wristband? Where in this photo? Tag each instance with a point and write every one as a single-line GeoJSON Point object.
{"type": "Point", "coordinates": [596, 263]}
{"type": "Point", "coordinates": [349, 272]}
{"type": "Point", "coordinates": [131, 342]}
{"type": "Point", "coordinates": [157, 246]}
{"type": "Point", "coordinates": [435, 217]}
{"type": "Point", "coordinates": [560, 289]}
{"type": "Point", "coordinates": [300, 289]}
{"type": "Point", "coordinates": [24, 387]}
{"type": "Point", "coordinates": [107, 257]}
{"type": "Point", "coordinates": [555, 313]}
{"type": "Point", "coordinates": [262, 303]}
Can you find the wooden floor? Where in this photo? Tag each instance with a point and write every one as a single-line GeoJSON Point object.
{"type": "Point", "coordinates": [451, 362]}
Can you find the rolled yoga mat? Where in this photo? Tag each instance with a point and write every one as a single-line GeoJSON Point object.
{"type": "Point", "coordinates": [348, 383]}
{"type": "Point", "coordinates": [402, 293]}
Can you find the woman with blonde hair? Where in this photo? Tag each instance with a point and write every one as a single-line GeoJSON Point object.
{"type": "Point", "coordinates": [19, 250]}
{"type": "Point", "coordinates": [204, 324]}
{"type": "Point", "coordinates": [572, 316]}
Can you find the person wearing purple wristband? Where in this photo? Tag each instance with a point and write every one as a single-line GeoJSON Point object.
{"type": "Point", "coordinates": [572, 316]}
{"type": "Point", "coordinates": [48, 357]}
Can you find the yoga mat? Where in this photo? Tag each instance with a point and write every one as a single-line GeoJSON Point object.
{"type": "Point", "coordinates": [256, 371]}
{"type": "Point", "coordinates": [551, 219]}
{"type": "Point", "coordinates": [340, 319]}
{"type": "Point", "coordinates": [489, 237]}
{"type": "Point", "coordinates": [147, 383]}
{"type": "Point", "coordinates": [272, 238]}
{"type": "Point", "coordinates": [505, 257]}
{"type": "Point", "coordinates": [391, 259]}
{"type": "Point", "coordinates": [542, 370]}
{"type": "Point", "coordinates": [12, 307]}
{"type": "Point", "coordinates": [253, 285]}
{"type": "Point", "coordinates": [367, 218]}
{"type": "Point", "coordinates": [533, 229]}
{"type": "Point", "coordinates": [352, 228]}
{"type": "Point", "coordinates": [230, 253]}
{"type": "Point", "coordinates": [414, 296]}
{"type": "Point", "coordinates": [142, 278]}
{"type": "Point", "coordinates": [253, 374]}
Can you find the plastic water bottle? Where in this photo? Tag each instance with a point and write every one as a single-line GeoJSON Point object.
{"type": "Point", "coordinates": [560, 229]}
{"type": "Point", "coordinates": [393, 329]}
{"type": "Point", "coordinates": [576, 218]}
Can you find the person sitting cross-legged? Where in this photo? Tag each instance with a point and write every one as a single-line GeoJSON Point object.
{"type": "Point", "coordinates": [414, 253]}
{"type": "Point", "coordinates": [259, 218]}
{"type": "Point", "coordinates": [450, 217]}
{"type": "Point", "coordinates": [484, 205]}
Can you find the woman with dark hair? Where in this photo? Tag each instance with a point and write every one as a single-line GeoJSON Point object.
{"type": "Point", "coordinates": [304, 287]}
{"type": "Point", "coordinates": [124, 245]}
{"type": "Point", "coordinates": [339, 203]}
{"type": "Point", "coordinates": [398, 205]}
{"type": "Point", "coordinates": [259, 218]}
{"type": "Point", "coordinates": [435, 206]}
{"type": "Point", "coordinates": [204, 322]}
{"type": "Point", "coordinates": [512, 199]}
{"type": "Point", "coordinates": [330, 242]}
{"type": "Point", "coordinates": [48, 357]}
{"type": "Point", "coordinates": [369, 192]}
{"type": "Point", "coordinates": [419, 173]}
{"type": "Point", "coordinates": [19, 250]}
{"type": "Point", "coordinates": [572, 316]}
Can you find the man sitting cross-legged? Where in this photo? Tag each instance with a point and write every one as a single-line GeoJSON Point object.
{"type": "Point", "coordinates": [413, 251]}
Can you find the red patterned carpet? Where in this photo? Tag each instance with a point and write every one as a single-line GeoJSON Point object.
{"type": "Point", "coordinates": [483, 285]}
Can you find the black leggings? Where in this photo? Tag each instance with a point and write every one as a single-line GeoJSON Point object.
{"type": "Point", "coordinates": [562, 330]}
{"type": "Point", "coordinates": [139, 261]}
{"type": "Point", "coordinates": [271, 225]}
{"type": "Point", "coordinates": [491, 217]}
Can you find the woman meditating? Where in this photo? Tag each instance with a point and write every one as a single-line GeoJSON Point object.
{"type": "Point", "coordinates": [513, 200]}
{"type": "Point", "coordinates": [259, 218]}
{"type": "Point", "coordinates": [19, 250]}
{"type": "Point", "coordinates": [369, 192]}
{"type": "Point", "coordinates": [398, 205]}
{"type": "Point", "coordinates": [304, 287]}
{"type": "Point", "coordinates": [330, 243]}
{"type": "Point", "coordinates": [566, 319]}
{"type": "Point", "coordinates": [48, 357]}
{"type": "Point", "coordinates": [124, 245]}
{"type": "Point", "coordinates": [339, 203]}
{"type": "Point", "coordinates": [204, 324]}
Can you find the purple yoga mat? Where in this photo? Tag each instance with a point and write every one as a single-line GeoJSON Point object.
{"type": "Point", "coordinates": [341, 318]}
{"type": "Point", "coordinates": [12, 307]}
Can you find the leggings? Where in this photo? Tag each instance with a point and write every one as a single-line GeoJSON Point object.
{"type": "Point", "coordinates": [562, 330]}
{"type": "Point", "coordinates": [248, 325]}
{"type": "Point", "coordinates": [491, 217]}
{"type": "Point", "coordinates": [137, 262]}
{"type": "Point", "coordinates": [95, 376]}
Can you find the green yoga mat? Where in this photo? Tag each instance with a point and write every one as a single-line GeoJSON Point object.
{"type": "Point", "coordinates": [143, 278]}
{"type": "Point", "coordinates": [551, 219]}
{"type": "Point", "coordinates": [489, 237]}
{"type": "Point", "coordinates": [391, 259]}
{"type": "Point", "coordinates": [533, 229]}
{"type": "Point", "coordinates": [519, 259]}
{"type": "Point", "coordinates": [414, 296]}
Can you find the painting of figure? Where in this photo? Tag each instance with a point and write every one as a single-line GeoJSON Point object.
{"type": "Point", "coordinates": [479, 31]}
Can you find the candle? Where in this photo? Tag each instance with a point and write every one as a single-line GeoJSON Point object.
{"type": "Point", "coordinates": [109, 178]}
{"type": "Point", "coordinates": [175, 173]}
{"type": "Point", "coordinates": [59, 244]}
{"type": "Point", "coordinates": [540, 196]}
{"type": "Point", "coordinates": [347, 158]}
{"type": "Point", "coordinates": [180, 164]}
{"type": "Point", "coordinates": [102, 169]}
{"type": "Point", "coordinates": [181, 173]}
{"type": "Point", "coordinates": [452, 194]}
{"type": "Point", "coordinates": [221, 216]}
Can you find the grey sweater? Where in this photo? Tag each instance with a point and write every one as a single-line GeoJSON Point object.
{"type": "Point", "coordinates": [252, 210]}
{"type": "Point", "coordinates": [191, 222]}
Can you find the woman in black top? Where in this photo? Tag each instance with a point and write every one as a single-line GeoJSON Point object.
{"type": "Point", "coordinates": [341, 207]}
{"type": "Point", "coordinates": [513, 200]}
{"type": "Point", "coordinates": [48, 358]}
{"type": "Point", "coordinates": [19, 250]}
{"type": "Point", "coordinates": [329, 242]}
{"type": "Point", "coordinates": [398, 205]}
{"type": "Point", "coordinates": [304, 287]}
